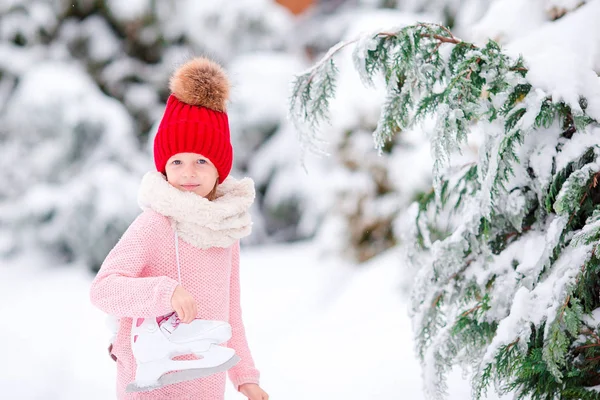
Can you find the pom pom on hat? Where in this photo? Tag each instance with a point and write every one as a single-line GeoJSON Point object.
{"type": "Point", "coordinates": [201, 82]}
{"type": "Point", "coordinates": [195, 119]}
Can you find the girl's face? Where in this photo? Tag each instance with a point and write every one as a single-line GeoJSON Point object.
{"type": "Point", "coordinates": [191, 172]}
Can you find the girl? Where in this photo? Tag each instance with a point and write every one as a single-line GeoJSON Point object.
{"type": "Point", "coordinates": [181, 254]}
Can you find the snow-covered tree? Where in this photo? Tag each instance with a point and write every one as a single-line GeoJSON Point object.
{"type": "Point", "coordinates": [70, 159]}
{"type": "Point", "coordinates": [505, 243]}
{"type": "Point", "coordinates": [82, 88]}
{"type": "Point", "coordinates": [346, 203]}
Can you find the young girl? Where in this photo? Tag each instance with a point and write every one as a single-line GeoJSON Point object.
{"type": "Point", "coordinates": [181, 254]}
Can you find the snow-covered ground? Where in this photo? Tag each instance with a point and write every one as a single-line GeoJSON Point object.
{"type": "Point", "coordinates": [318, 329]}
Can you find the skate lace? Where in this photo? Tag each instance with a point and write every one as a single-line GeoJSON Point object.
{"type": "Point", "coordinates": [175, 321]}
{"type": "Point", "coordinates": [172, 318]}
{"type": "Point", "coordinates": [177, 257]}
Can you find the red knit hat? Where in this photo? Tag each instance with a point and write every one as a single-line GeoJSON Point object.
{"type": "Point", "coordinates": [195, 118]}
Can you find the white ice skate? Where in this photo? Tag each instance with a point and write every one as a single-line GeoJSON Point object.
{"type": "Point", "coordinates": [155, 341]}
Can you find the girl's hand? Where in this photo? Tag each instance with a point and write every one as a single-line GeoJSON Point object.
{"type": "Point", "coordinates": [253, 392]}
{"type": "Point", "coordinates": [184, 305]}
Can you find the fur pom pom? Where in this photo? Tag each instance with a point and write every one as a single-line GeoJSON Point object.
{"type": "Point", "coordinates": [201, 82]}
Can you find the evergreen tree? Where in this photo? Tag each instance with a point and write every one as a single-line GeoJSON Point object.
{"type": "Point", "coordinates": [507, 282]}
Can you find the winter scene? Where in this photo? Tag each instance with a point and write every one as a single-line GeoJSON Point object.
{"type": "Point", "coordinates": [300, 199]}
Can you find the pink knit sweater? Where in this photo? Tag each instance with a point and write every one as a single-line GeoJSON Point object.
{"type": "Point", "coordinates": [137, 279]}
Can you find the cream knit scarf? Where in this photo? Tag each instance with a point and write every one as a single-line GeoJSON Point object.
{"type": "Point", "coordinates": [201, 222]}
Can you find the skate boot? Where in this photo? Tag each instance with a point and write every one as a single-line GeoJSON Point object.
{"type": "Point", "coordinates": [155, 341]}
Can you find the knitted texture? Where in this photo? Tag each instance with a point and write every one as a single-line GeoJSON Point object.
{"type": "Point", "coordinates": [138, 278]}
{"type": "Point", "coordinates": [189, 129]}
{"type": "Point", "coordinates": [201, 222]}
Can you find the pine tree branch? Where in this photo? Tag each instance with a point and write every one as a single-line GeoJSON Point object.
{"type": "Point", "coordinates": [472, 310]}
{"type": "Point", "coordinates": [589, 331]}
{"type": "Point", "coordinates": [328, 57]}
{"type": "Point", "coordinates": [441, 39]}
{"type": "Point", "coordinates": [511, 344]}
{"type": "Point", "coordinates": [563, 308]}
{"type": "Point", "coordinates": [593, 184]}
{"type": "Point", "coordinates": [511, 234]}
{"type": "Point", "coordinates": [465, 86]}
{"type": "Point", "coordinates": [587, 346]}
{"type": "Point", "coordinates": [592, 359]}
{"type": "Point", "coordinates": [436, 300]}
{"type": "Point", "coordinates": [451, 277]}
{"type": "Point", "coordinates": [576, 211]}
{"type": "Point", "coordinates": [435, 50]}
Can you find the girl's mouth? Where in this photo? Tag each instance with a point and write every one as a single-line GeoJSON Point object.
{"type": "Point", "coordinates": [189, 187]}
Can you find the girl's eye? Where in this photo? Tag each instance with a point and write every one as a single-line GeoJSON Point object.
{"type": "Point", "coordinates": [176, 162]}
{"type": "Point", "coordinates": [201, 161]}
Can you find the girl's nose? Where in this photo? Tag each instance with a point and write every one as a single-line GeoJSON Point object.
{"type": "Point", "coordinates": [189, 172]}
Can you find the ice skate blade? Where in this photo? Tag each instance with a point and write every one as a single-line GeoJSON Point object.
{"type": "Point", "coordinates": [183, 376]}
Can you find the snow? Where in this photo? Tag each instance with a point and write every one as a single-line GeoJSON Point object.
{"type": "Point", "coordinates": [129, 10]}
{"type": "Point", "coordinates": [570, 46]}
{"type": "Point", "coordinates": [49, 347]}
{"type": "Point", "coordinates": [541, 303]}
{"type": "Point", "coordinates": [261, 84]}
{"type": "Point", "coordinates": [574, 148]}
{"type": "Point", "coordinates": [140, 97]}
{"type": "Point", "coordinates": [103, 44]}
{"type": "Point", "coordinates": [517, 18]}
{"type": "Point", "coordinates": [14, 59]}
{"type": "Point", "coordinates": [59, 84]}
{"type": "Point", "coordinates": [542, 150]}
{"type": "Point", "coordinates": [321, 328]}
{"type": "Point", "coordinates": [561, 66]}
{"type": "Point", "coordinates": [222, 29]}
{"type": "Point", "coordinates": [82, 154]}
{"type": "Point", "coordinates": [318, 328]}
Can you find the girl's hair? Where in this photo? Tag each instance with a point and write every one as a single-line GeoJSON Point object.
{"type": "Point", "coordinates": [213, 193]}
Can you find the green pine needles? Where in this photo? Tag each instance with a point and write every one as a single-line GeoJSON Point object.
{"type": "Point", "coordinates": [508, 280]}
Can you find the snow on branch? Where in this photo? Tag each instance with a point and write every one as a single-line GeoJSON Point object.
{"type": "Point", "coordinates": [508, 267]}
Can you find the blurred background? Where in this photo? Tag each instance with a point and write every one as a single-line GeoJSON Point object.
{"type": "Point", "coordinates": [82, 88]}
